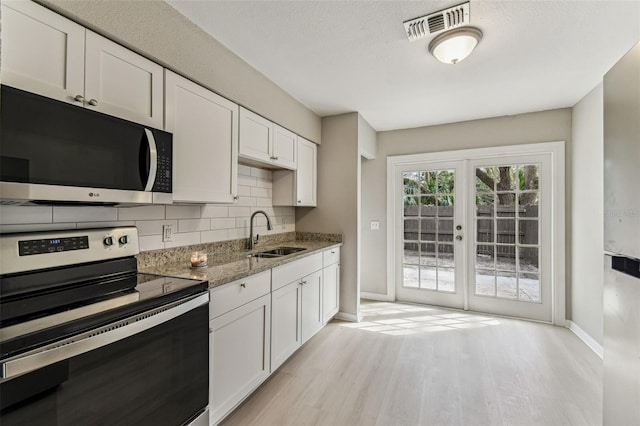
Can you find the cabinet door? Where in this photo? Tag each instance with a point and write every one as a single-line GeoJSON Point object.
{"type": "Point", "coordinates": [122, 83]}
{"type": "Point", "coordinates": [311, 305]}
{"type": "Point", "coordinates": [330, 291]}
{"type": "Point", "coordinates": [306, 174]}
{"type": "Point", "coordinates": [285, 144]}
{"type": "Point", "coordinates": [42, 52]}
{"type": "Point", "coordinates": [256, 136]}
{"type": "Point", "coordinates": [205, 140]}
{"type": "Point", "coordinates": [285, 323]}
{"type": "Point", "coordinates": [239, 355]}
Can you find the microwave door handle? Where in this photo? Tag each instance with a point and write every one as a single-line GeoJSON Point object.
{"type": "Point", "coordinates": [153, 168]}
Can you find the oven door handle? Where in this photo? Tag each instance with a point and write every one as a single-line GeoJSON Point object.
{"type": "Point", "coordinates": [97, 338]}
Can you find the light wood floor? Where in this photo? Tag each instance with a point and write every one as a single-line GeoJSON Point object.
{"type": "Point", "coordinates": [420, 365]}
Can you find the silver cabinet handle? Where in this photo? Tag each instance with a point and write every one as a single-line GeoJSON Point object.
{"type": "Point", "coordinates": [153, 152]}
{"type": "Point", "coordinates": [236, 198]}
{"type": "Point", "coordinates": [92, 102]}
{"type": "Point", "coordinates": [97, 338]}
{"type": "Point", "coordinates": [79, 98]}
{"type": "Point", "coordinates": [333, 252]}
{"type": "Point", "coordinates": [299, 201]}
{"type": "Point", "coordinates": [243, 285]}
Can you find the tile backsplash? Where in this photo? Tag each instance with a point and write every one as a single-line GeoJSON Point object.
{"type": "Point", "coordinates": [192, 224]}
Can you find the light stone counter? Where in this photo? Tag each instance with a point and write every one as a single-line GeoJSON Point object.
{"type": "Point", "coordinates": [230, 266]}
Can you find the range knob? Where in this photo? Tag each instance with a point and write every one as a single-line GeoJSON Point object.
{"type": "Point", "coordinates": [108, 241]}
{"type": "Point", "coordinates": [123, 240]}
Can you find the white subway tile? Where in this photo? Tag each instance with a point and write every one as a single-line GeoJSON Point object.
{"type": "Point", "coordinates": [150, 242]}
{"type": "Point", "coordinates": [244, 201]}
{"type": "Point", "coordinates": [191, 225]}
{"type": "Point", "coordinates": [244, 190]}
{"type": "Point", "coordinates": [261, 192]}
{"type": "Point", "coordinates": [215, 235]}
{"type": "Point", "coordinates": [246, 181]}
{"type": "Point", "coordinates": [244, 170]}
{"type": "Point", "coordinates": [31, 227]}
{"type": "Point", "coordinates": [242, 222]}
{"type": "Point", "coordinates": [183, 239]}
{"type": "Point", "coordinates": [141, 213]}
{"type": "Point", "coordinates": [238, 233]}
{"type": "Point", "coordinates": [183, 212]}
{"type": "Point", "coordinates": [268, 210]}
{"type": "Point", "coordinates": [223, 223]}
{"type": "Point", "coordinates": [86, 225]}
{"type": "Point", "coordinates": [12, 215]}
{"type": "Point", "coordinates": [263, 202]}
{"type": "Point", "coordinates": [85, 214]}
{"type": "Point", "coordinates": [239, 211]}
{"type": "Point", "coordinates": [154, 227]}
{"type": "Point", "coordinates": [262, 173]}
{"type": "Point", "coordinates": [284, 211]}
{"type": "Point", "coordinates": [264, 183]}
{"type": "Point", "coordinates": [212, 210]}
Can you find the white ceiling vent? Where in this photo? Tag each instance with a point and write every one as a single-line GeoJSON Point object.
{"type": "Point", "coordinates": [443, 20]}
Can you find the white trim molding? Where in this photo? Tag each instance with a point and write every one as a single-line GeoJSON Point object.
{"type": "Point", "coordinates": [376, 296]}
{"type": "Point", "coordinates": [348, 317]}
{"type": "Point", "coordinates": [556, 152]}
{"type": "Point", "coordinates": [586, 338]}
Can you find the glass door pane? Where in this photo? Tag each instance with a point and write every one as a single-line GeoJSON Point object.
{"type": "Point", "coordinates": [507, 232]}
{"type": "Point", "coordinates": [428, 230]}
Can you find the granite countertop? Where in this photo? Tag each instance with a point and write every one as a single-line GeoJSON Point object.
{"type": "Point", "coordinates": [226, 268]}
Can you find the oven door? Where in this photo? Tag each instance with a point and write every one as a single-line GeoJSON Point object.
{"type": "Point", "coordinates": [151, 369]}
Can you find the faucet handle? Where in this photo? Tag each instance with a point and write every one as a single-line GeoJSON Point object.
{"type": "Point", "coordinates": [257, 238]}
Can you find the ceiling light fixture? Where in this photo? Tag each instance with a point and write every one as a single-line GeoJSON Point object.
{"type": "Point", "coordinates": [455, 45]}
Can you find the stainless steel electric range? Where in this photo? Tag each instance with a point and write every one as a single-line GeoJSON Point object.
{"type": "Point", "coordinates": [87, 340]}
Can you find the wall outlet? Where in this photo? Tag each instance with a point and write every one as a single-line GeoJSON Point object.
{"type": "Point", "coordinates": [167, 233]}
{"type": "Point", "coordinates": [375, 225]}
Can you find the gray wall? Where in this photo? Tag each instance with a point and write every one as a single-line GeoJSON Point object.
{"type": "Point", "coordinates": [545, 126]}
{"type": "Point", "coordinates": [337, 211]}
{"type": "Point", "coordinates": [156, 30]}
{"type": "Point", "coordinates": [587, 236]}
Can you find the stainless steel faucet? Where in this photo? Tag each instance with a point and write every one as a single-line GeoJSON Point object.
{"type": "Point", "coordinates": [253, 242]}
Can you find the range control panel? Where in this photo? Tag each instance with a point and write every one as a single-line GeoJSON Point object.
{"type": "Point", "coordinates": [52, 245]}
{"type": "Point", "coordinates": [30, 251]}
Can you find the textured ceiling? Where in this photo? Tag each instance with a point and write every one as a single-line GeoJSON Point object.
{"type": "Point", "coordinates": [343, 56]}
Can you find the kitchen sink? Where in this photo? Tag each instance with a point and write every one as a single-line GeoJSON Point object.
{"type": "Point", "coordinates": [277, 252]}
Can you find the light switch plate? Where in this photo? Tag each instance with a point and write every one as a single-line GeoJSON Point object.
{"type": "Point", "coordinates": [375, 225]}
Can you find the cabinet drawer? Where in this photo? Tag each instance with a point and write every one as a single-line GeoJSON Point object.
{"type": "Point", "coordinates": [237, 293]}
{"type": "Point", "coordinates": [283, 275]}
{"type": "Point", "coordinates": [331, 256]}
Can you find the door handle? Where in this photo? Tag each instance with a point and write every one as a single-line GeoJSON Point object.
{"type": "Point", "coordinates": [153, 153]}
{"type": "Point", "coordinates": [459, 237]}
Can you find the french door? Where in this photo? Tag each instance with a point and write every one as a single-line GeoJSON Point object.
{"type": "Point", "coordinates": [476, 233]}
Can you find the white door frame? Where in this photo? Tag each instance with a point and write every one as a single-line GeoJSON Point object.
{"type": "Point", "coordinates": [555, 149]}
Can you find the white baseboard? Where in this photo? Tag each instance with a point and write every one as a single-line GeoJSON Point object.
{"type": "Point", "coordinates": [348, 317]}
{"type": "Point", "coordinates": [375, 296]}
{"type": "Point", "coordinates": [584, 336]}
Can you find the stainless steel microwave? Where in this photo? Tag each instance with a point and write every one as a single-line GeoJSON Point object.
{"type": "Point", "coordinates": [53, 153]}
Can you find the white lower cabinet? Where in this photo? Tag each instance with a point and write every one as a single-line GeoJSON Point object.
{"type": "Point", "coordinates": [258, 322]}
{"type": "Point", "coordinates": [330, 283]}
{"type": "Point", "coordinates": [285, 323]}
{"type": "Point", "coordinates": [239, 342]}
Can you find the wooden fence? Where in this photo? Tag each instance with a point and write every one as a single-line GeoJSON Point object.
{"type": "Point", "coordinates": [506, 232]}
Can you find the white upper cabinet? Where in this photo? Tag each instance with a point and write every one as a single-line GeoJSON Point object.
{"type": "Point", "coordinates": [298, 187]}
{"type": "Point", "coordinates": [307, 173]}
{"type": "Point", "coordinates": [205, 141]}
{"type": "Point", "coordinates": [265, 142]}
{"type": "Point", "coordinates": [47, 54]}
{"type": "Point", "coordinates": [122, 83]}
{"type": "Point", "coordinates": [285, 148]}
{"type": "Point", "coordinates": [42, 52]}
